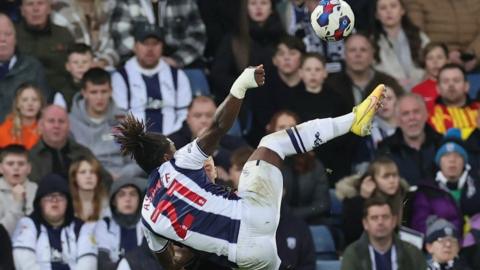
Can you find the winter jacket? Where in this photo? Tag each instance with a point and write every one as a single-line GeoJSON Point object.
{"type": "Point", "coordinates": [347, 190]}
{"type": "Point", "coordinates": [307, 193]}
{"type": "Point", "coordinates": [6, 257]}
{"type": "Point", "coordinates": [24, 69]}
{"type": "Point", "coordinates": [97, 136]}
{"type": "Point", "coordinates": [49, 46]}
{"type": "Point", "coordinates": [454, 22]}
{"type": "Point", "coordinates": [30, 134]}
{"type": "Point", "coordinates": [10, 209]}
{"type": "Point", "coordinates": [357, 256]}
{"type": "Point", "coordinates": [413, 165]}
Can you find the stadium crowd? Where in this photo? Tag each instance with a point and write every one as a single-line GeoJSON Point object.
{"type": "Point", "coordinates": [405, 197]}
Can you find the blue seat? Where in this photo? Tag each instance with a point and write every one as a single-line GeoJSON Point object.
{"type": "Point", "coordinates": [323, 241]}
{"type": "Point", "coordinates": [335, 203]}
{"type": "Point", "coordinates": [328, 265]}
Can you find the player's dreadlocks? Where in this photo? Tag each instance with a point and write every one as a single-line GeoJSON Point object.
{"type": "Point", "coordinates": [148, 148]}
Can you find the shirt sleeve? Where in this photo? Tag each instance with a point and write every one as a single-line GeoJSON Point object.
{"type": "Point", "coordinates": [190, 157]}
{"type": "Point", "coordinates": [155, 243]}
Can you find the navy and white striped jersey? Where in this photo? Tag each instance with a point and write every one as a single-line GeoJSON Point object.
{"type": "Point", "coordinates": [182, 205]}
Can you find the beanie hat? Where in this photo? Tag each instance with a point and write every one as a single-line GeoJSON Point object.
{"type": "Point", "coordinates": [439, 227]}
{"type": "Point", "coordinates": [451, 144]}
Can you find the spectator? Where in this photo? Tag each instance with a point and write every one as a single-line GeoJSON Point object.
{"type": "Point", "coordinates": [88, 193]}
{"type": "Point", "coordinates": [55, 150]}
{"type": "Point", "coordinates": [16, 191]}
{"type": "Point", "coordinates": [79, 61]}
{"type": "Point", "coordinates": [93, 119]}
{"type": "Point", "coordinates": [89, 23]}
{"type": "Point", "coordinates": [185, 35]}
{"type": "Point", "coordinates": [304, 178]}
{"type": "Point", "coordinates": [122, 232]}
{"type": "Point", "coordinates": [20, 126]}
{"type": "Point", "coordinates": [151, 88]}
{"type": "Point", "coordinates": [453, 22]}
{"type": "Point", "coordinates": [453, 193]}
{"type": "Point", "coordinates": [435, 56]}
{"type": "Point", "coordinates": [39, 37]}
{"type": "Point", "coordinates": [379, 247]}
{"type": "Point", "coordinates": [6, 258]}
{"type": "Point", "coordinates": [12, 9]}
{"type": "Point", "coordinates": [359, 78]}
{"type": "Point", "coordinates": [380, 180]}
{"type": "Point", "coordinates": [443, 245]}
{"type": "Point", "coordinates": [294, 241]}
{"type": "Point", "coordinates": [454, 108]}
{"type": "Point", "coordinates": [398, 43]}
{"type": "Point", "coordinates": [471, 243]}
{"type": "Point", "coordinates": [199, 117]}
{"type": "Point", "coordinates": [51, 237]}
{"type": "Point", "coordinates": [384, 124]}
{"type": "Point", "coordinates": [414, 143]}
{"type": "Point", "coordinates": [252, 42]}
{"type": "Point", "coordinates": [15, 68]}
{"type": "Point", "coordinates": [363, 23]}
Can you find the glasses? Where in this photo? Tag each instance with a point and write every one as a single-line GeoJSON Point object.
{"type": "Point", "coordinates": [54, 197]}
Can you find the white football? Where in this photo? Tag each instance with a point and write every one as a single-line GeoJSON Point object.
{"type": "Point", "coordinates": [332, 20]}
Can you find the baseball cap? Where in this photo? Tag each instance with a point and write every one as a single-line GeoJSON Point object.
{"type": "Point", "coordinates": [146, 30]}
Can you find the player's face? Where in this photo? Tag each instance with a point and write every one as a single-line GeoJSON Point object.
{"type": "Point", "coordinates": [200, 116]}
{"type": "Point", "coordinates": [127, 200]}
{"type": "Point", "coordinates": [434, 60]}
{"type": "Point", "coordinates": [78, 64]}
{"type": "Point", "coordinates": [259, 10]}
{"type": "Point", "coordinates": [313, 73]}
{"type": "Point", "coordinates": [411, 117]}
{"type": "Point", "coordinates": [7, 39]}
{"type": "Point", "coordinates": [452, 165]}
{"type": "Point", "coordinates": [284, 121]}
{"type": "Point", "coordinates": [444, 249]}
{"type": "Point", "coordinates": [452, 86]}
{"type": "Point", "coordinates": [387, 179]}
{"type": "Point", "coordinates": [379, 223]}
{"type": "Point", "coordinates": [287, 60]}
{"type": "Point", "coordinates": [15, 169]}
{"type": "Point", "coordinates": [390, 12]}
{"type": "Point", "coordinates": [29, 103]}
{"type": "Point", "coordinates": [97, 97]}
{"type": "Point", "coordinates": [148, 52]}
{"type": "Point", "coordinates": [358, 54]}
{"type": "Point", "coordinates": [86, 177]}
{"type": "Point", "coordinates": [54, 206]}
{"type": "Point", "coordinates": [36, 12]}
{"type": "Point", "coordinates": [387, 111]}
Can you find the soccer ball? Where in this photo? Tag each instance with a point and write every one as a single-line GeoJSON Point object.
{"type": "Point", "coordinates": [332, 20]}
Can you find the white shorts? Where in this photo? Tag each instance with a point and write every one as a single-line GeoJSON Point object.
{"type": "Point", "coordinates": [261, 188]}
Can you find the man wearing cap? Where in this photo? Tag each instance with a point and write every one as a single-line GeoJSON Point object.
{"type": "Point", "coordinates": [443, 245]}
{"type": "Point", "coordinates": [51, 237]}
{"type": "Point", "coordinates": [150, 88]}
{"type": "Point", "coordinates": [453, 193]}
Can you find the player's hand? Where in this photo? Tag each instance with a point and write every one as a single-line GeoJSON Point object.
{"type": "Point", "coordinates": [210, 169]}
{"type": "Point", "coordinates": [367, 187]}
{"type": "Point", "coordinates": [183, 256]}
{"type": "Point", "coordinates": [260, 75]}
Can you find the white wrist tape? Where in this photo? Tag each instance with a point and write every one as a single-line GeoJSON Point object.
{"type": "Point", "coordinates": [245, 81]}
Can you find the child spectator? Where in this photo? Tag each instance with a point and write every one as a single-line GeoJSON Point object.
{"type": "Point", "coordinates": [435, 56]}
{"type": "Point", "coordinates": [16, 191]}
{"type": "Point", "coordinates": [20, 127]}
{"type": "Point", "coordinates": [399, 43]}
{"type": "Point", "coordinates": [79, 61]}
{"type": "Point", "coordinates": [87, 189]}
{"type": "Point", "coordinates": [381, 180]}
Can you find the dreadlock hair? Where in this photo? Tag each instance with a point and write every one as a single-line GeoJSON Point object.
{"type": "Point", "coordinates": [147, 148]}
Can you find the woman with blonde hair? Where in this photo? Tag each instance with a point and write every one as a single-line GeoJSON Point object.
{"type": "Point", "coordinates": [20, 126]}
{"type": "Point", "coordinates": [88, 193]}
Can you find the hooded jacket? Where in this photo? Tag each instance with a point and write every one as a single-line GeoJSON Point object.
{"type": "Point", "coordinates": [111, 232]}
{"type": "Point", "coordinates": [97, 136]}
{"type": "Point", "coordinates": [38, 245]}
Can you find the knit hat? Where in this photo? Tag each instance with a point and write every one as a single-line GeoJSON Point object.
{"type": "Point", "coordinates": [451, 144]}
{"type": "Point", "coordinates": [439, 227]}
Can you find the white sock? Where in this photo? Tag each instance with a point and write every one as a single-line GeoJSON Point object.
{"type": "Point", "coordinates": [307, 136]}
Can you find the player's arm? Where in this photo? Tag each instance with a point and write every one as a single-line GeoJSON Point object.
{"type": "Point", "coordinates": [173, 258]}
{"type": "Point", "coordinates": [228, 111]}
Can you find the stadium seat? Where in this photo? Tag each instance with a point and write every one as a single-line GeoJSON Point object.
{"type": "Point", "coordinates": [335, 204]}
{"type": "Point", "coordinates": [324, 244]}
{"type": "Point", "coordinates": [328, 265]}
